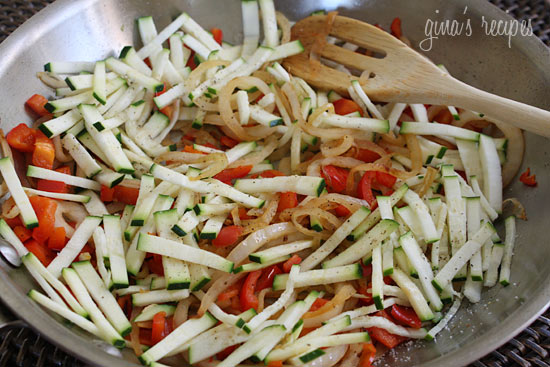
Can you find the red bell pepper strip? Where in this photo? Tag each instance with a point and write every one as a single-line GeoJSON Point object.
{"type": "Point", "coordinates": [22, 233]}
{"type": "Point", "coordinates": [367, 355]}
{"type": "Point", "coordinates": [55, 186]}
{"type": "Point", "coordinates": [528, 179]}
{"type": "Point", "coordinates": [383, 336]}
{"type": "Point", "coordinates": [367, 156]}
{"type": "Point", "coordinates": [43, 253]}
{"type": "Point", "coordinates": [36, 103]}
{"type": "Point", "coordinates": [57, 240]}
{"type": "Point", "coordinates": [319, 302]}
{"type": "Point", "coordinates": [294, 260]}
{"type": "Point", "coordinates": [268, 274]}
{"type": "Point", "coordinates": [275, 364]}
{"type": "Point", "coordinates": [385, 179]}
{"type": "Point", "coordinates": [405, 316]}
{"type": "Point", "coordinates": [43, 154]}
{"type": "Point", "coordinates": [247, 297]}
{"type": "Point", "coordinates": [396, 28]}
{"type": "Point", "coordinates": [158, 331]}
{"type": "Point", "coordinates": [126, 195]}
{"type": "Point", "coordinates": [342, 211]}
{"type": "Point", "coordinates": [217, 34]}
{"type": "Point", "coordinates": [229, 293]}
{"type": "Point", "coordinates": [229, 174]}
{"type": "Point", "coordinates": [45, 211]}
{"type": "Point", "coordinates": [155, 264]}
{"type": "Point", "coordinates": [228, 142]}
{"type": "Point", "coordinates": [364, 190]}
{"type": "Point", "coordinates": [226, 352]}
{"type": "Point", "coordinates": [228, 236]}
{"type": "Point", "coordinates": [21, 138]}
{"type": "Point", "coordinates": [335, 178]}
{"type": "Point", "coordinates": [346, 106]}
{"type": "Point", "coordinates": [270, 173]}
{"type": "Point", "coordinates": [243, 214]}
{"type": "Point", "coordinates": [14, 222]}
{"type": "Point", "coordinates": [367, 299]}
{"type": "Point", "coordinates": [287, 200]}
{"type": "Point", "coordinates": [107, 194]}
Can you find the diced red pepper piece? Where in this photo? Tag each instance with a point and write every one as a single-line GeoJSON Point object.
{"type": "Point", "coordinates": [228, 236]}
{"type": "Point", "coordinates": [346, 106]}
{"type": "Point", "coordinates": [36, 103]}
{"type": "Point", "coordinates": [335, 178]}
{"type": "Point", "coordinates": [406, 316]}
{"type": "Point", "coordinates": [385, 179]}
{"type": "Point", "coordinates": [43, 154]}
{"type": "Point", "coordinates": [228, 142]}
{"type": "Point", "coordinates": [45, 211]}
{"type": "Point", "coordinates": [294, 260]}
{"type": "Point", "coordinates": [217, 34]}
{"type": "Point", "coordinates": [126, 195]}
{"type": "Point", "coordinates": [21, 138]}
{"type": "Point", "coordinates": [270, 173]}
{"type": "Point", "coordinates": [364, 190]}
{"type": "Point", "coordinates": [268, 274]}
{"type": "Point", "coordinates": [55, 186]}
{"type": "Point", "coordinates": [229, 174]}
{"type": "Point", "coordinates": [155, 264]}
{"type": "Point", "coordinates": [367, 156]}
{"type": "Point", "coordinates": [287, 200]}
{"type": "Point", "coordinates": [41, 251]}
{"type": "Point", "coordinates": [247, 295]}
{"type": "Point", "coordinates": [319, 302]}
{"type": "Point", "coordinates": [396, 28]}
{"type": "Point", "coordinates": [383, 336]}
{"type": "Point", "coordinates": [158, 331]}
{"type": "Point", "coordinates": [528, 179]}
{"type": "Point", "coordinates": [22, 233]}
{"type": "Point", "coordinates": [58, 239]}
{"type": "Point", "coordinates": [107, 194]}
{"type": "Point", "coordinates": [367, 355]}
{"type": "Point", "coordinates": [342, 211]}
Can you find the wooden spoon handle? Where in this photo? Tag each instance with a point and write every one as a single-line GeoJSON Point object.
{"type": "Point", "coordinates": [499, 108]}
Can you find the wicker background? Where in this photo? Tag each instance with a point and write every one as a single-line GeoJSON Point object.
{"type": "Point", "coordinates": [19, 346]}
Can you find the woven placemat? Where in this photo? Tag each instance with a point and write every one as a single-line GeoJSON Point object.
{"type": "Point", "coordinates": [19, 346]}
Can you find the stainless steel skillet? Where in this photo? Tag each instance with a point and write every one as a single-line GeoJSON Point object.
{"type": "Point", "coordinates": [93, 29]}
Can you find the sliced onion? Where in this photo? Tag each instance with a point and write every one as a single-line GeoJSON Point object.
{"type": "Point", "coordinates": [390, 138]}
{"type": "Point", "coordinates": [331, 357]}
{"type": "Point", "coordinates": [512, 206]}
{"type": "Point", "coordinates": [182, 312]}
{"type": "Point", "coordinates": [224, 104]}
{"type": "Point", "coordinates": [259, 156]}
{"type": "Point", "coordinates": [353, 356]}
{"type": "Point", "coordinates": [429, 178]}
{"type": "Point", "coordinates": [196, 76]}
{"type": "Point", "coordinates": [9, 209]}
{"type": "Point", "coordinates": [314, 169]}
{"type": "Point", "coordinates": [261, 299]}
{"type": "Point", "coordinates": [394, 148]}
{"type": "Point", "coordinates": [134, 334]}
{"type": "Point", "coordinates": [284, 25]}
{"type": "Point", "coordinates": [330, 309]}
{"type": "Point", "coordinates": [60, 152]}
{"type": "Point", "coordinates": [75, 212]}
{"type": "Point", "coordinates": [259, 238]}
{"type": "Point", "coordinates": [416, 153]}
{"type": "Point", "coordinates": [328, 220]}
{"type": "Point", "coordinates": [6, 150]}
{"type": "Point", "coordinates": [115, 207]}
{"type": "Point", "coordinates": [219, 285]}
{"type": "Point", "coordinates": [51, 80]}
{"type": "Point", "coordinates": [333, 148]}
{"type": "Point", "coordinates": [265, 219]}
{"type": "Point", "coordinates": [514, 152]}
{"type": "Point", "coordinates": [180, 157]}
{"type": "Point", "coordinates": [218, 164]}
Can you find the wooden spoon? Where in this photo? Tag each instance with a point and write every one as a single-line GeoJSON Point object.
{"type": "Point", "coordinates": [403, 75]}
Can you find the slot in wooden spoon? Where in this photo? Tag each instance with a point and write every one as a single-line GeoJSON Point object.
{"type": "Point", "coordinates": [402, 75]}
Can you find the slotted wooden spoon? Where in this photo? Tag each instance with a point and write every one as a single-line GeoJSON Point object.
{"type": "Point", "coordinates": [403, 75]}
